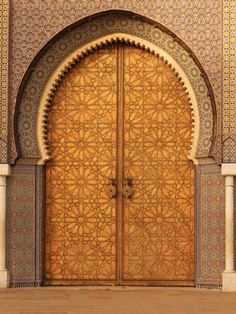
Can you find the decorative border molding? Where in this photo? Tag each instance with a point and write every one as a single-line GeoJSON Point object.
{"type": "Point", "coordinates": [228, 169]}
{"type": "Point", "coordinates": [5, 170]}
{"type": "Point", "coordinates": [4, 48]}
{"type": "Point", "coordinates": [92, 30]}
{"type": "Point", "coordinates": [229, 82]}
{"type": "Point", "coordinates": [64, 67]}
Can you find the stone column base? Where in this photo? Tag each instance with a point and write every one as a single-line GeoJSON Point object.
{"type": "Point", "coordinates": [4, 279]}
{"type": "Point", "coordinates": [229, 281]}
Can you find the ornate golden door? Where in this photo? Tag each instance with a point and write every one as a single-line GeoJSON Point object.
{"type": "Point", "coordinates": [119, 185]}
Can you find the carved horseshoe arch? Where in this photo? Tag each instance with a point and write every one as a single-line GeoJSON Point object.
{"type": "Point", "coordinates": [33, 103]}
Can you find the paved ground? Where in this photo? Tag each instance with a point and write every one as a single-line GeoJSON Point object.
{"type": "Point", "coordinates": [116, 301]}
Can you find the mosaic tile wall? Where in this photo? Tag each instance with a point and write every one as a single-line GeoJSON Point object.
{"type": "Point", "coordinates": [210, 225]}
{"type": "Point", "coordinates": [197, 22]}
{"type": "Point", "coordinates": [25, 226]}
{"type": "Point", "coordinates": [4, 43]}
{"type": "Point", "coordinates": [229, 147]}
{"type": "Point", "coordinates": [90, 30]}
{"type": "Point", "coordinates": [22, 231]}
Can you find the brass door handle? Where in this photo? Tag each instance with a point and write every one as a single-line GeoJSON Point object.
{"type": "Point", "coordinates": [112, 189]}
{"type": "Point", "coordinates": [128, 188]}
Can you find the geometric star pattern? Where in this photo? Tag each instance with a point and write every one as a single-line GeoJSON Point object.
{"type": "Point", "coordinates": [81, 219]}
{"type": "Point", "coordinates": [158, 220]}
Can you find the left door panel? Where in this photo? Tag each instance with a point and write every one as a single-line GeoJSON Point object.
{"type": "Point", "coordinates": [80, 215]}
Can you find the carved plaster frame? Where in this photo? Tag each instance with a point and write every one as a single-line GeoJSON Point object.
{"type": "Point", "coordinates": [68, 62]}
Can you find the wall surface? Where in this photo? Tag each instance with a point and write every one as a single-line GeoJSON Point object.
{"type": "Point", "coordinates": [24, 219]}
{"type": "Point", "coordinates": [4, 86]}
{"type": "Point", "coordinates": [229, 82]}
{"type": "Point", "coordinates": [200, 24]}
{"type": "Point", "coordinates": [21, 224]}
{"type": "Point", "coordinates": [210, 225]}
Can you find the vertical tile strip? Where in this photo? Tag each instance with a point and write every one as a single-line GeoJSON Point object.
{"type": "Point", "coordinates": [39, 226]}
{"type": "Point", "coordinates": [4, 45]}
{"type": "Point", "coordinates": [198, 238]}
{"type": "Point", "coordinates": [229, 81]}
{"type": "Point", "coordinates": [210, 226]}
{"type": "Point", "coordinates": [21, 218]}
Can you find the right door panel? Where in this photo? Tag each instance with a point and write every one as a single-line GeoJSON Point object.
{"type": "Point", "coordinates": [158, 221]}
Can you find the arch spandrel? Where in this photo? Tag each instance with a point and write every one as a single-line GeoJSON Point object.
{"type": "Point", "coordinates": [66, 48]}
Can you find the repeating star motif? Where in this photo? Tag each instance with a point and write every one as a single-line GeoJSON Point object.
{"type": "Point", "coordinates": [81, 221]}
{"type": "Point", "coordinates": [158, 225]}
{"type": "Point", "coordinates": [159, 219]}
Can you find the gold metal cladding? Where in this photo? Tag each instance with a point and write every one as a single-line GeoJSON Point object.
{"type": "Point", "coordinates": [120, 116]}
{"type": "Point", "coordinates": [81, 216]}
{"type": "Point", "coordinates": [120, 158]}
{"type": "Point", "coordinates": [158, 206]}
{"type": "Point", "coordinates": [108, 39]}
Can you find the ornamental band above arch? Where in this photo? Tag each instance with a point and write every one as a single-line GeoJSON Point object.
{"type": "Point", "coordinates": [63, 51]}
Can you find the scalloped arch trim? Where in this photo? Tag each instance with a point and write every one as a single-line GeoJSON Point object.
{"type": "Point", "coordinates": [70, 60]}
{"type": "Point", "coordinates": [54, 60]}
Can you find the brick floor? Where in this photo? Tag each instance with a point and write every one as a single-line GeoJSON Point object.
{"type": "Point", "coordinates": [63, 300]}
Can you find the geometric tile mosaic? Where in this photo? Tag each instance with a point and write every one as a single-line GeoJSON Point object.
{"type": "Point", "coordinates": [87, 31]}
{"type": "Point", "coordinates": [210, 225]}
{"type": "Point", "coordinates": [21, 245]}
{"type": "Point", "coordinates": [4, 41]}
{"type": "Point", "coordinates": [229, 80]}
{"type": "Point", "coordinates": [198, 23]}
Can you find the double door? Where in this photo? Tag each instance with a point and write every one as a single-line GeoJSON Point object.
{"type": "Point", "coordinates": [119, 185]}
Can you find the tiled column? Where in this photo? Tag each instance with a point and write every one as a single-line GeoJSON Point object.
{"type": "Point", "coordinates": [229, 275]}
{"type": "Point", "coordinates": [4, 275]}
